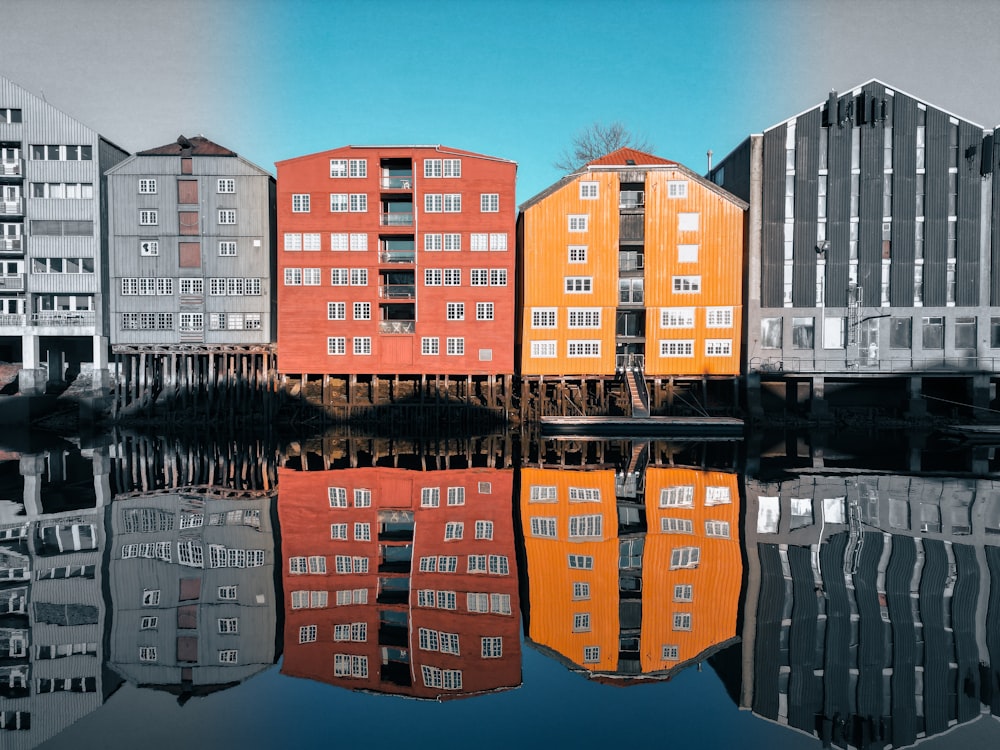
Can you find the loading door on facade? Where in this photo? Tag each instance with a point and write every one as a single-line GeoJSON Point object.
{"type": "Point", "coordinates": [630, 337]}
{"type": "Point", "coordinates": [868, 342]}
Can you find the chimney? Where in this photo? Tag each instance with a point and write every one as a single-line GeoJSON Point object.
{"type": "Point", "coordinates": [710, 161]}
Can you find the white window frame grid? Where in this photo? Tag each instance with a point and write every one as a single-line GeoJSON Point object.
{"type": "Point", "coordinates": [489, 203]}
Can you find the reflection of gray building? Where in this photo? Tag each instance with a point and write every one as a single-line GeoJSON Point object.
{"type": "Point", "coordinates": [872, 615]}
{"type": "Point", "coordinates": [192, 584]}
{"type": "Point", "coordinates": [52, 613]}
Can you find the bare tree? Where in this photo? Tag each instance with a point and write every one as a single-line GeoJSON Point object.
{"type": "Point", "coordinates": [597, 140]}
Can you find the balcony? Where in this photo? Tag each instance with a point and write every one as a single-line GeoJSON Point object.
{"type": "Point", "coordinates": [63, 318]}
{"type": "Point", "coordinates": [12, 207]}
{"type": "Point", "coordinates": [629, 261]}
{"type": "Point", "coordinates": [397, 291]}
{"type": "Point", "coordinates": [397, 326]}
{"type": "Point", "coordinates": [398, 182]}
{"type": "Point", "coordinates": [12, 282]}
{"type": "Point", "coordinates": [397, 256]}
{"type": "Point", "coordinates": [7, 319]}
{"type": "Point", "coordinates": [397, 219]}
{"type": "Point", "coordinates": [631, 199]}
{"type": "Point", "coordinates": [12, 167]}
{"type": "Point", "coordinates": [12, 245]}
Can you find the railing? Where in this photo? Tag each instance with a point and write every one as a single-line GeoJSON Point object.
{"type": "Point", "coordinates": [630, 361]}
{"type": "Point", "coordinates": [10, 319]}
{"type": "Point", "coordinates": [631, 199]}
{"type": "Point", "coordinates": [12, 282]}
{"type": "Point", "coordinates": [397, 291]}
{"type": "Point", "coordinates": [11, 168]}
{"type": "Point", "coordinates": [631, 262]}
{"type": "Point", "coordinates": [867, 365]}
{"type": "Point", "coordinates": [63, 318]}
{"type": "Point", "coordinates": [11, 244]}
{"type": "Point", "coordinates": [12, 208]}
{"type": "Point", "coordinates": [397, 183]}
{"type": "Point", "coordinates": [397, 219]}
{"type": "Point", "coordinates": [397, 326]}
{"type": "Point", "coordinates": [397, 256]}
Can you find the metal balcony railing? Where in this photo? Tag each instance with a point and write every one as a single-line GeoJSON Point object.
{"type": "Point", "coordinates": [10, 319]}
{"type": "Point", "coordinates": [12, 167]}
{"type": "Point", "coordinates": [398, 182]}
{"type": "Point", "coordinates": [397, 326]}
{"type": "Point", "coordinates": [630, 361]}
{"type": "Point", "coordinates": [630, 262]}
{"type": "Point", "coordinates": [12, 282]}
{"type": "Point", "coordinates": [397, 256]}
{"type": "Point", "coordinates": [397, 291]}
{"type": "Point", "coordinates": [12, 244]}
{"type": "Point", "coordinates": [63, 318]}
{"type": "Point", "coordinates": [873, 365]}
{"type": "Point", "coordinates": [397, 218]}
{"type": "Point", "coordinates": [12, 208]}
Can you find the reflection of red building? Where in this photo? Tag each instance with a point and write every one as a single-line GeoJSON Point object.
{"type": "Point", "coordinates": [399, 581]}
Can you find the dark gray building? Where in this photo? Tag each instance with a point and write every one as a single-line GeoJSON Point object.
{"type": "Point", "coordinates": [872, 238]}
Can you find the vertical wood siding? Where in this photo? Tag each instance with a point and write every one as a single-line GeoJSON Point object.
{"type": "Point", "coordinates": [806, 189]}
{"type": "Point", "coordinates": [904, 191]}
{"type": "Point", "coordinates": [773, 219]}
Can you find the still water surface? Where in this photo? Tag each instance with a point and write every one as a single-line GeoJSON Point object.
{"type": "Point", "coordinates": [795, 591]}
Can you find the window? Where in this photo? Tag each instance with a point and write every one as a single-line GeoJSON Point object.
{"type": "Point", "coordinates": [336, 310]}
{"type": "Point", "coordinates": [336, 345]}
{"type": "Point", "coordinates": [339, 241]}
{"type": "Point", "coordinates": [578, 284]}
{"type": "Point", "coordinates": [687, 222]}
{"type": "Point", "coordinates": [310, 277]}
{"type": "Point", "coordinates": [362, 532]}
{"type": "Point", "coordinates": [676, 526]}
{"type": "Point", "coordinates": [677, 348]}
{"type": "Point", "coordinates": [293, 277]}
{"type": "Point", "coordinates": [933, 333]}
{"type": "Point", "coordinates": [683, 592]}
{"type": "Point", "coordinates": [228, 656]}
{"type": "Point", "coordinates": [581, 590]}
{"type": "Point", "coordinates": [718, 347]}
{"type": "Point", "coordinates": [60, 153]}
{"type": "Point", "coordinates": [147, 187]}
{"type": "Point", "coordinates": [452, 203]}
{"type": "Point", "coordinates": [577, 253]}
{"type": "Point", "coordinates": [338, 531]}
{"type": "Point", "coordinates": [900, 333]}
{"type": "Point", "coordinates": [357, 168]}
{"type": "Point", "coordinates": [147, 653]}
{"type": "Point", "coordinates": [359, 277]}
{"type": "Point", "coordinates": [543, 349]}
{"type": "Point", "coordinates": [770, 333]}
{"type": "Point", "coordinates": [317, 564]}
{"type": "Point", "coordinates": [432, 277]}
{"type": "Point", "coordinates": [362, 345]}
{"type": "Point", "coordinates": [671, 653]}
{"type": "Point", "coordinates": [149, 623]}
{"type": "Point", "coordinates": [428, 564]}
{"type": "Point", "coordinates": [682, 620]}
{"type": "Point", "coordinates": [679, 496]}
{"type": "Point", "coordinates": [492, 647]}
{"type": "Point", "coordinates": [719, 317]}
{"type": "Point", "coordinates": [362, 310]}
{"type": "Point", "coordinates": [677, 189]}
{"type": "Point", "coordinates": [447, 564]}
{"type": "Point", "coordinates": [803, 335]}
{"type": "Point", "coordinates": [677, 317]}
{"type": "Point", "coordinates": [338, 276]}
{"type": "Point", "coordinates": [453, 277]}
{"type": "Point", "coordinates": [338, 167]}
{"type": "Point", "coordinates": [589, 191]}
{"type": "Point", "coordinates": [350, 665]}
{"type": "Point", "coordinates": [456, 496]}
{"type": "Point", "coordinates": [489, 202]}
{"type": "Point", "coordinates": [484, 311]}
{"type": "Point", "coordinates": [432, 242]}
{"type": "Point", "coordinates": [479, 277]}
{"type": "Point", "coordinates": [227, 593]}
{"type": "Point", "coordinates": [591, 654]}
{"type": "Point", "coordinates": [151, 597]}
{"type": "Point", "coordinates": [499, 565]}
{"type": "Point", "coordinates": [498, 241]}
{"type": "Point", "coordinates": [455, 345]}
{"type": "Point", "coordinates": [430, 345]}
{"type": "Point", "coordinates": [585, 526]}
{"type": "Point", "coordinates": [453, 530]}
{"type": "Point", "coordinates": [543, 527]}
{"type": "Point", "coordinates": [687, 284]}
{"type": "Point", "coordinates": [455, 311]}
{"type": "Point", "coordinates": [581, 562]}
{"type": "Point", "coordinates": [311, 241]}
{"type": "Point", "coordinates": [584, 317]}
{"type": "Point", "coordinates": [430, 497]}
{"type": "Point", "coordinates": [227, 249]}
{"type": "Point", "coordinates": [578, 222]}
{"type": "Point", "coordinates": [542, 493]}
{"type": "Point", "coordinates": [148, 218]}
{"type": "Point", "coordinates": [453, 242]}
{"type": "Point", "coordinates": [479, 242]}
{"type": "Point", "coordinates": [583, 349]}
{"type": "Point", "coordinates": [228, 185]}
{"type": "Point", "coordinates": [581, 622]}
{"type": "Point", "coordinates": [297, 565]}
{"type": "Point", "coordinates": [484, 529]}
{"type": "Point", "coordinates": [307, 634]}
{"type": "Point", "coordinates": [687, 253]}
{"type": "Point", "coordinates": [717, 496]}
{"type": "Point", "coordinates": [717, 528]}
{"type": "Point", "coordinates": [685, 557]}
{"type": "Point", "coordinates": [994, 333]}
{"type": "Point", "coordinates": [498, 277]}
{"type": "Point", "coordinates": [433, 203]}
{"type": "Point", "coordinates": [149, 247]}
{"type": "Point", "coordinates": [293, 241]}
{"type": "Point", "coordinates": [229, 625]}
{"type": "Point", "coordinates": [358, 203]}
{"type": "Point", "coordinates": [338, 202]}
{"type": "Point", "coordinates": [965, 333]}
{"type": "Point", "coordinates": [227, 216]}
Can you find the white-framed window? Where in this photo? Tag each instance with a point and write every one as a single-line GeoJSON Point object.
{"type": "Point", "coordinates": [578, 284]}
{"type": "Point", "coordinates": [359, 277]}
{"type": "Point", "coordinates": [432, 243]}
{"type": "Point", "coordinates": [362, 498]}
{"type": "Point", "coordinates": [585, 494]}
{"type": "Point", "coordinates": [543, 493]}
{"type": "Point", "coordinates": [428, 564]}
{"type": "Point", "coordinates": [577, 253]}
{"type": "Point", "coordinates": [311, 277]}
{"type": "Point", "coordinates": [447, 564]}
{"type": "Point", "coordinates": [338, 531]}
{"type": "Point", "coordinates": [682, 621]}
{"type": "Point", "coordinates": [589, 191]}
{"type": "Point", "coordinates": [229, 656]}
{"type": "Point", "coordinates": [297, 565]}
{"type": "Point", "coordinates": [227, 593]}
{"type": "Point", "coordinates": [498, 277]}
{"type": "Point", "coordinates": [491, 647]}
{"type": "Point", "coordinates": [581, 562]}
{"type": "Point", "coordinates": [455, 311]}
{"type": "Point", "coordinates": [338, 203]}
{"type": "Point", "coordinates": [676, 525]}
{"type": "Point", "coordinates": [362, 345]}
{"type": "Point", "coordinates": [317, 564]}
{"type": "Point", "coordinates": [686, 284]}
{"type": "Point", "coordinates": [719, 317]}
{"type": "Point", "coordinates": [336, 310]}
{"type": "Point", "coordinates": [228, 625]}
{"type": "Point", "coordinates": [499, 565]}
{"type": "Point", "coordinates": [300, 203]}
{"type": "Point", "coordinates": [339, 277]}
{"type": "Point", "coordinates": [149, 623]}
{"type": "Point", "coordinates": [453, 530]}
{"type": "Point", "coordinates": [591, 654]}
{"type": "Point", "coordinates": [359, 242]}
{"type": "Point", "coordinates": [192, 286]}
{"type": "Point", "coordinates": [339, 241]}
{"type": "Point", "coordinates": [293, 241]}
{"type": "Point", "coordinates": [150, 597]}
{"type": "Point", "coordinates": [581, 591]}
{"type": "Point", "coordinates": [336, 345]}
{"type": "Point", "coordinates": [484, 311]}
{"type": "Point", "coordinates": [578, 222]}
{"type": "Point", "coordinates": [455, 345]}
{"type": "Point", "coordinates": [337, 496]}
{"type": "Point", "coordinates": [311, 241]}
{"type": "Point", "coordinates": [678, 496]}
{"type": "Point", "coordinates": [147, 653]}
{"type": "Point", "coordinates": [543, 317]}
{"type": "Point", "coordinates": [717, 496]}
{"type": "Point", "coordinates": [432, 168]}
{"type": "Point", "coordinates": [338, 167]}
{"type": "Point", "coordinates": [687, 222]}
{"type": "Point", "coordinates": [588, 526]}
{"type": "Point", "coordinates": [584, 317]}
{"type": "Point", "coordinates": [430, 497]}
{"type": "Point", "coordinates": [227, 249]}
{"type": "Point", "coordinates": [191, 321]}
{"type": "Point", "coordinates": [677, 317]}
{"type": "Point", "coordinates": [671, 653]}
{"type": "Point", "coordinates": [479, 242]}
{"type": "Point", "coordinates": [147, 186]}
{"type": "Point", "coordinates": [456, 496]}
{"type": "Point", "coordinates": [149, 217]}
{"type": "Point", "coordinates": [362, 310]}
{"type": "Point", "coordinates": [687, 253]}
{"type": "Point", "coordinates": [149, 247]}
{"type": "Point", "coordinates": [718, 347]}
{"type": "Point", "coordinates": [479, 277]}
{"type": "Point", "coordinates": [717, 528]}
{"type": "Point", "coordinates": [451, 167]}
{"type": "Point", "coordinates": [544, 349]}
{"type": "Point", "coordinates": [227, 215]}
{"type": "Point", "coordinates": [432, 277]}
{"type": "Point", "coordinates": [453, 277]}
{"type": "Point", "coordinates": [358, 203]}
{"type": "Point", "coordinates": [225, 185]}
{"type": "Point", "coordinates": [308, 633]}
{"type": "Point", "coordinates": [677, 189]}
{"type": "Point", "coordinates": [484, 529]}
{"type": "Point", "coordinates": [452, 203]}
{"type": "Point", "coordinates": [453, 242]}
{"type": "Point", "coordinates": [677, 348]}
{"type": "Point", "coordinates": [543, 526]}
{"type": "Point", "coordinates": [685, 557]}
{"type": "Point", "coordinates": [362, 532]}
{"type": "Point", "coordinates": [350, 665]}
{"type": "Point", "coordinates": [433, 203]}
{"type": "Point", "coordinates": [500, 604]}
{"type": "Point", "coordinates": [583, 348]}
{"type": "Point", "coordinates": [489, 202]}
{"type": "Point", "coordinates": [683, 592]}
{"type": "Point", "coordinates": [430, 345]}
{"type": "Point", "coordinates": [357, 168]}
{"type": "Point", "coordinates": [581, 622]}
{"type": "Point", "coordinates": [498, 241]}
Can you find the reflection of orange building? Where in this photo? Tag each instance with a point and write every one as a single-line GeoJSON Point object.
{"type": "Point", "coordinates": [626, 587]}
{"type": "Point", "coordinates": [399, 581]}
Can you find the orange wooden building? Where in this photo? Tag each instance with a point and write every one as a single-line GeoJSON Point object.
{"type": "Point", "coordinates": [633, 261]}
{"type": "Point", "coordinates": [631, 596]}
{"type": "Point", "coordinates": [396, 259]}
{"type": "Point", "coordinates": [399, 581]}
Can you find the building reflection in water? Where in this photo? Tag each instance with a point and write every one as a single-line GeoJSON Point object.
{"type": "Point", "coordinates": [634, 569]}
{"type": "Point", "coordinates": [401, 581]}
{"type": "Point", "coordinates": [872, 606]}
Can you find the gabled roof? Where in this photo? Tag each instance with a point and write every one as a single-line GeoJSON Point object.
{"type": "Point", "coordinates": [628, 157]}
{"type": "Point", "coordinates": [197, 145]}
{"type": "Point", "coordinates": [402, 147]}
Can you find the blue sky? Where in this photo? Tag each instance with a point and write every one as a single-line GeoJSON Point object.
{"type": "Point", "coordinates": [510, 78]}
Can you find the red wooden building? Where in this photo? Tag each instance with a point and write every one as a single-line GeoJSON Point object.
{"type": "Point", "coordinates": [396, 260]}
{"type": "Point", "coordinates": [400, 581]}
